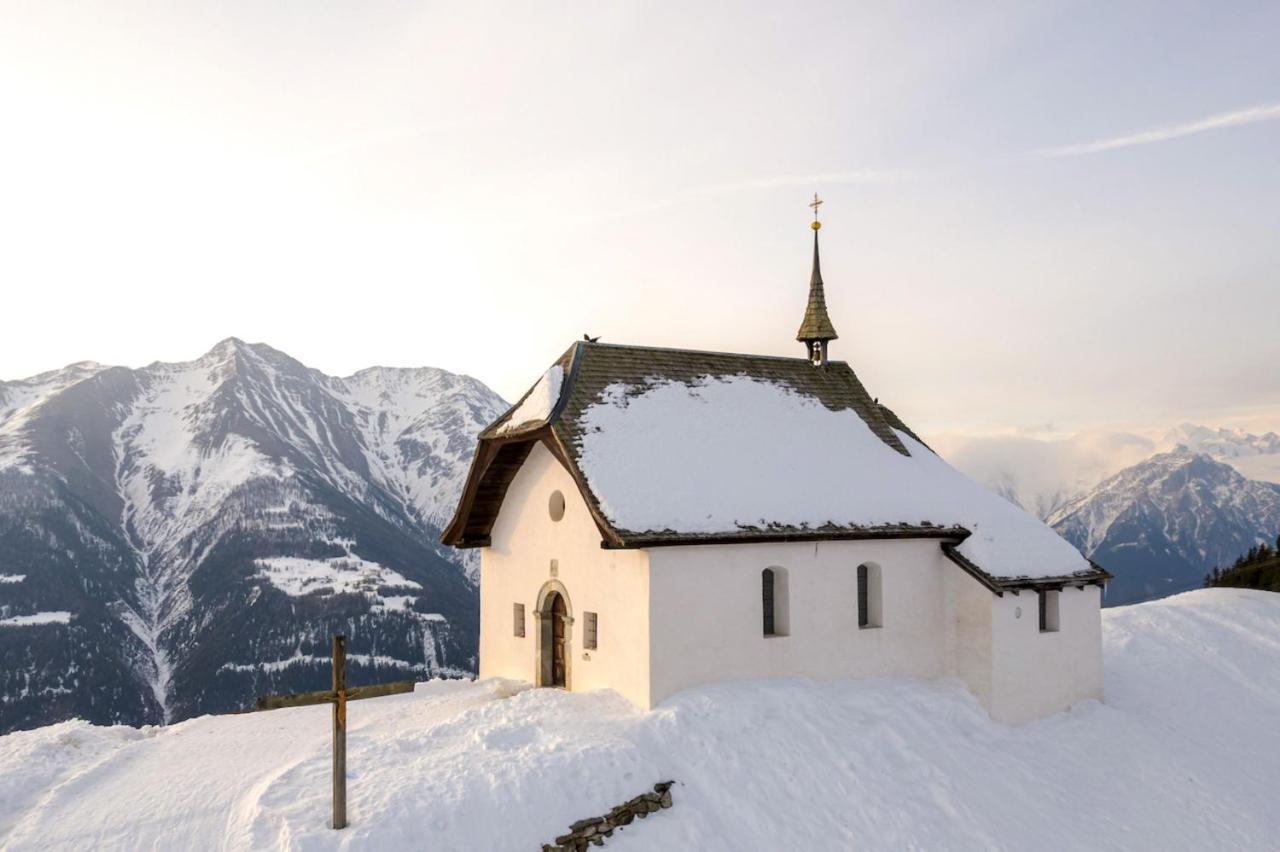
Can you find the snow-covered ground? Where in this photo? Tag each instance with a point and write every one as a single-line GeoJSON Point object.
{"type": "Point", "coordinates": [1184, 754]}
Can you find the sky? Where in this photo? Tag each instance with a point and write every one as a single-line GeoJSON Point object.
{"type": "Point", "coordinates": [1039, 217]}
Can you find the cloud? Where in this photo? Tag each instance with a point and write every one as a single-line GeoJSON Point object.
{"type": "Point", "coordinates": [1252, 115]}
{"type": "Point", "coordinates": [1041, 474]}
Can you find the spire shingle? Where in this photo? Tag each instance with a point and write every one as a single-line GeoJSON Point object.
{"type": "Point", "coordinates": [816, 325]}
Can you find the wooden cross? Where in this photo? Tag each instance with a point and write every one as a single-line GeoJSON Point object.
{"type": "Point", "coordinates": [338, 696]}
{"type": "Point", "coordinates": [815, 204]}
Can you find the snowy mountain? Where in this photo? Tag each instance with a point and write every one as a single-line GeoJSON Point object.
{"type": "Point", "coordinates": [1254, 456]}
{"type": "Point", "coordinates": [1181, 755]}
{"type": "Point", "coordinates": [1161, 525]}
{"type": "Point", "coordinates": [1041, 474]}
{"type": "Point", "coordinates": [179, 538]}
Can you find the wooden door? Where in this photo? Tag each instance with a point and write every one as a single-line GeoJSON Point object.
{"type": "Point", "coordinates": [558, 614]}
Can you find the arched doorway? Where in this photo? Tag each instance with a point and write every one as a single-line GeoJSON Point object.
{"type": "Point", "coordinates": [558, 614]}
{"type": "Point", "coordinates": [555, 623]}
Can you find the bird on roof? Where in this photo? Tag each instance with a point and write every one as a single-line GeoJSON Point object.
{"type": "Point", "coordinates": [590, 339]}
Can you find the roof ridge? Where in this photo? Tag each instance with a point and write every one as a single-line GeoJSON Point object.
{"type": "Point", "coordinates": [702, 352]}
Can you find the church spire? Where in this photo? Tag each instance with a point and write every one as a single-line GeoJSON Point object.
{"type": "Point", "coordinates": [816, 330]}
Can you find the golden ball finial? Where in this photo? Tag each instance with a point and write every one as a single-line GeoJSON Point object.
{"type": "Point", "coordinates": [815, 204]}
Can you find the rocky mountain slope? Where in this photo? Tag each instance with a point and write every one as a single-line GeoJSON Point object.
{"type": "Point", "coordinates": [179, 538]}
{"type": "Point", "coordinates": [1160, 525]}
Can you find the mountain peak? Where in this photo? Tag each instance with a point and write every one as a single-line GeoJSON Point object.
{"type": "Point", "coordinates": [1159, 525]}
{"type": "Point", "coordinates": [199, 500]}
{"type": "Point", "coordinates": [232, 345]}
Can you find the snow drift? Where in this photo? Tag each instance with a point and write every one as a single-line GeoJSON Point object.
{"type": "Point", "coordinates": [1183, 755]}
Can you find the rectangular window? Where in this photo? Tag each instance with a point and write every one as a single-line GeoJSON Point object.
{"type": "Point", "coordinates": [870, 596]}
{"type": "Point", "coordinates": [1048, 611]}
{"type": "Point", "coordinates": [773, 599]}
{"type": "Point", "coordinates": [766, 594]}
{"type": "Point", "coordinates": [864, 607]}
{"type": "Point", "coordinates": [590, 634]}
{"type": "Point", "coordinates": [518, 614]}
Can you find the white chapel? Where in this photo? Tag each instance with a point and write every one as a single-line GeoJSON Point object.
{"type": "Point", "coordinates": [651, 519]}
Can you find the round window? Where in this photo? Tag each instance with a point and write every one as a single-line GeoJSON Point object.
{"type": "Point", "coordinates": [556, 505]}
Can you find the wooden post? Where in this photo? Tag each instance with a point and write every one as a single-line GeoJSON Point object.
{"type": "Point", "coordinates": [339, 731]}
{"type": "Point", "coordinates": [338, 697]}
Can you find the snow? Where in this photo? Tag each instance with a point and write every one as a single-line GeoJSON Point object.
{"type": "Point", "coordinates": [1192, 501]}
{"type": "Point", "coordinates": [36, 619]}
{"type": "Point", "coordinates": [21, 400]}
{"type": "Point", "coordinates": [537, 405]}
{"type": "Point", "coordinates": [1183, 755]}
{"type": "Point", "coordinates": [419, 427]}
{"type": "Point", "coordinates": [12, 578]}
{"type": "Point", "coordinates": [340, 575]}
{"type": "Point", "coordinates": [736, 452]}
{"type": "Point", "coordinates": [300, 659]}
{"type": "Point", "coordinates": [164, 439]}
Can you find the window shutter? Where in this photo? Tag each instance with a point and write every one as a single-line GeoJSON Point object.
{"type": "Point", "coordinates": [518, 616]}
{"type": "Point", "coordinates": [766, 584]}
{"type": "Point", "coordinates": [590, 635]}
{"type": "Point", "coordinates": [864, 605]}
{"type": "Point", "coordinates": [1044, 602]}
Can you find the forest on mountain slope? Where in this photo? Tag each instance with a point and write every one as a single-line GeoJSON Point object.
{"type": "Point", "coordinates": [1257, 569]}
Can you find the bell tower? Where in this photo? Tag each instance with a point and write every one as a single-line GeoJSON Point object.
{"type": "Point", "coordinates": [816, 330]}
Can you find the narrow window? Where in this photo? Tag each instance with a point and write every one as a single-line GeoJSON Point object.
{"type": "Point", "coordinates": [518, 614]}
{"type": "Point", "coordinates": [864, 614]}
{"type": "Point", "coordinates": [773, 593]}
{"type": "Point", "coordinates": [870, 599]}
{"type": "Point", "coordinates": [766, 589]}
{"type": "Point", "coordinates": [1048, 611]}
{"type": "Point", "coordinates": [589, 631]}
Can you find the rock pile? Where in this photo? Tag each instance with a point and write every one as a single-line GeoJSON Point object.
{"type": "Point", "coordinates": [594, 830]}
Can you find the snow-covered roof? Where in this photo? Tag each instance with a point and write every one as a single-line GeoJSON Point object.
{"type": "Point", "coordinates": [678, 447]}
{"type": "Point", "coordinates": [535, 406]}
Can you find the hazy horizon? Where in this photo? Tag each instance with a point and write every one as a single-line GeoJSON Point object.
{"type": "Point", "coordinates": [1055, 217]}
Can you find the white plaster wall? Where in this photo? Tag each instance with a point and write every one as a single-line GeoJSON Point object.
{"type": "Point", "coordinates": [1034, 674]}
{"type": "Point", "coordinates": [612, 583]}
{"type": "Point", "coordinates": [706, 613]}
{"type": "Point", "coordinates": [675, 617]}
{"type": "Point", "coordinates": [969, 641]}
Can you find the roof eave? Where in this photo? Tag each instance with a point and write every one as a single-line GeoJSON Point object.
{"type": "Point", "coordinates": [999, 585]}
{"type": "Point", "coordinates": [546, 433]}
{"type": "Point", "coordinates": [636, 541]}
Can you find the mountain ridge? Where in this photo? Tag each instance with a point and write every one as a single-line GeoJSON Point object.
{"type": "Point", "coordinates": [230, 510]}
{"type": "Point", "coordinates": [1159, 525]}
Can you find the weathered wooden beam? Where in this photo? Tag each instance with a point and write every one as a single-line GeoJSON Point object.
{"type": "Point", "coordinates": [324, 696]}
{"type": "Point", "coordinates": [377, 690]}
{"type": "Point", "coordinates": [340, 731]}
{"type": "Point", "coordinates": [294, 699]}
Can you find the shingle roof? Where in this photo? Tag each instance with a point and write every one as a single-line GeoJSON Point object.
{"type": "Point", "coordinates": [816, 325]}
{"type": "Point", "coordinates": [598, 365]}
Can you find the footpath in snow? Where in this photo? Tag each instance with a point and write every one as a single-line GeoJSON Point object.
{"type": "Point", "coordinates": [1184, 754]}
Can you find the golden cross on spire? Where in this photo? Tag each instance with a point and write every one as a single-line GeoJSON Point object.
{"type": "Point", "coordinates": [815, 204]}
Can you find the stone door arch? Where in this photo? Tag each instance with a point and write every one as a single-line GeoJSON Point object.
{"type": "Point", "coordinates": [555, 636]}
